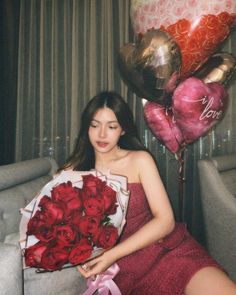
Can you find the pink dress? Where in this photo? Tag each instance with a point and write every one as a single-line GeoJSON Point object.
{"type": "Point", "coordinates": [162, 268]}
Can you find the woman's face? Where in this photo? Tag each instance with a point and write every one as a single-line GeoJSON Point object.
{"type": "Point", "coordinates": [104, 131]}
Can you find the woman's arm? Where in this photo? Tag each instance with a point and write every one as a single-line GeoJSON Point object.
{"type": "Point", "coordinates": [157, 228]}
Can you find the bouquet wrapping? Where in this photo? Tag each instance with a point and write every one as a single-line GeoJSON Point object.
{"type": "Point", "coordinates": [75, 217]}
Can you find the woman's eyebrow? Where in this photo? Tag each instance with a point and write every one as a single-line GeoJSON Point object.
{"type": "Point", "coordinates": [113, 121]}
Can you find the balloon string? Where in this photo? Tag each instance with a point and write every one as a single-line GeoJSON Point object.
{"type": "Point", "coordinates": [180, 158]}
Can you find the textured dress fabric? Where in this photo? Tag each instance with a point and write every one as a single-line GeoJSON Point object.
{"type": "Point", "coordinates": [163, 268]}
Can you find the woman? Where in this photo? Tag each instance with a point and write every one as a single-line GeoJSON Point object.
{"type": "Point", "coordinates": [156, 256]}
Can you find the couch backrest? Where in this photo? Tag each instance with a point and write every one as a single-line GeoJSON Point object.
{"type": "Point", "coordinates": [226, 166]}
{"type": "Point", "coordinates": [19, 183]}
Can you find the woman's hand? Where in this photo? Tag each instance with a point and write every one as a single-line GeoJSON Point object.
{"type": "Point", "coordinates": [97, 265]}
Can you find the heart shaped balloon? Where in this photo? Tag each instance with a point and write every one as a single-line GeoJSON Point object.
{"type": "Point", "coordinates": [198, 26]}
{"type": "Point", "coordinates": [162, 124]}
{"type": "Point", "coordinates": [150, 67]}
{"type": "Point", "coordinates": [197, 107]}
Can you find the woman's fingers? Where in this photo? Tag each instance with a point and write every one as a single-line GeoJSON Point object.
{"type": "Point", "coordinates": [86, 269]}
{"type": "Point", "coordinates": [83, 272]}
{"type": "Point", "coordinates": [88, 265]}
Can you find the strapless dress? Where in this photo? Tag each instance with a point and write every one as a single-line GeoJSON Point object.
{"type": "Point", "coordinates": [163, 268]}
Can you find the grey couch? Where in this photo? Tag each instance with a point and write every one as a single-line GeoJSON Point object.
{"type": "Point", "coordinates": [218, 195]}
{"type": "Point", "coordinates": [19, 183]}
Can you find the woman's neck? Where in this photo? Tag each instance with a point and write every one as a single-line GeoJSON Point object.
{"type": "Point", "coordinates": [109, 161]}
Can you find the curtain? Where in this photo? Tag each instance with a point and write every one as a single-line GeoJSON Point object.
{"type": "Point", "coordinates": [67, 53]}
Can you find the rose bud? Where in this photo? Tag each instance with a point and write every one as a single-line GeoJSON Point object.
{"type": "Point", "coordinates": [80, 252]}
{"type": "Point", "coordinates": [65, 234]}
{"type": "Point", "coordinates": [89, 225]}
{"type": "Point", "coordinates": [108, 236]}
{"type": "Point", "coordinates": [109, 197]}
{"type": "Point", "coordinates": [64, 192]}
{"type": "Point", "coordinates": [94, 206]}
{"type": "Point", "coordinates": [67, 194]}
{"type": "Point", "coordinates": [92, 185]}
{"type": "Point", "coordinates": [74, 218]}
{"type": "Point", "coordinates": [33, 254]}
{"type": "Point", "coordinates": [53, 212]}
{"type": "Point", "coordinates": [54, 258]}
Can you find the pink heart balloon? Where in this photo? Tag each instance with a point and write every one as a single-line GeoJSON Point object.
{"type": "Point", "coordinates": [163, 126]}
{"type": "Point", "coordinates": [197, 107]}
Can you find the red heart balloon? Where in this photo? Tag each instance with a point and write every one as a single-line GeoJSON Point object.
{"type": "Point", "coordinates": [163, 126]}
{"type": "Point", "coordinates": [199, 43]}
{"type": "Point", "coordinates": [198, 26]}
{"type": "Point", "coordinates": [197, 107]}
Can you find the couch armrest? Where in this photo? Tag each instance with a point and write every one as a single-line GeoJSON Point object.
{"type": "Point", "coordinates": [219, 212]}
{"type": "Point", "coordinates": [11, 270]}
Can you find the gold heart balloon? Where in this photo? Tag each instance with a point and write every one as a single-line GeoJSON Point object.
{"type": "Point", "coordinates": [151, 66]}
{"type": "Point", "coordinates": [219, 68]}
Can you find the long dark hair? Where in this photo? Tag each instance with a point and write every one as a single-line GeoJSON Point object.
{"type": "Point", "coordinates": [83, 157]}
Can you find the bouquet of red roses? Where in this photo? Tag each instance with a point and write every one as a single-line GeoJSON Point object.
{"type": "Point", "coordinates": [75, 217]}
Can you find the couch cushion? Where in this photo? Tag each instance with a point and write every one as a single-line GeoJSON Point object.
{"type": "Point", "coordinates": [19, 184]}
{"type": "Point", "coordinates": [229, 180]}
{"type": "Point", "coordinates": [11, 270]}
{"type": "Point", "coordinates": [67, 281]}
{"type": "Point", "coordinates": [12, 199]}
{"type": "Point", "coordinates": [12, 239]}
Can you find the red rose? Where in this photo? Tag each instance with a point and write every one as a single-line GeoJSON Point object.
{"type": "Point", "coordinates": [94, 206]}
{"type": "Point", "coordinates": [36, 221]}
{"type": "Point", "coordinates": [89, 225]}
{"type": "Point", "coordinates": [74, 218]}
{"type": "Point", "coordinates": [33, 254]}
{"type": "Point", "coordinates": [108, 236]}
{"type": "Point", "coordinates": [65, 234]}
{"type": "Point", "coordinates": [67, 194]}
{"type": "Point", "coordinates": [54, 258]}
{"type": "Point", "coordinates": [80, 252]}
{"type": "Point", "coordinates": [109, 197]}
{"type": "Point", "coordinates": [44, 232]}
{"type": "Point", "coordinates": [53, 212]}
{"type": "Point", "coordinates": [37, 226]}
{"type": "Point", "coordinates": [92, 185]}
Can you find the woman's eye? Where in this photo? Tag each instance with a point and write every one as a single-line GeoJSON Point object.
{"type": "Point", "coordinates": [93, 125]}
{"type": "Point", "coordinates": [113, 127]}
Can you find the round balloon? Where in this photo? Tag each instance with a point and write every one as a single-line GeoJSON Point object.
{"type": "Point", "coordinates": [198, 26]}
{"type": "Point", "coordinates": [219, 68]}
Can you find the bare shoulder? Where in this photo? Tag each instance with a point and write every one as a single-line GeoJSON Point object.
{"type": "Point", "coordinates": [145, 166]}
{"type": "Point", "coordinates": [141, 158]}
{"type": "Point", "coordinates": [134, 164]}
{"type": "Point", "coordinates": [142, 161]}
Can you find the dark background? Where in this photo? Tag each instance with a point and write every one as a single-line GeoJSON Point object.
{"type": "Point", "coordinates": [9, 32]}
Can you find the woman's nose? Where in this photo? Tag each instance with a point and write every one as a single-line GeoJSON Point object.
{"type": "Point", "coordinates": [102, 131]}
